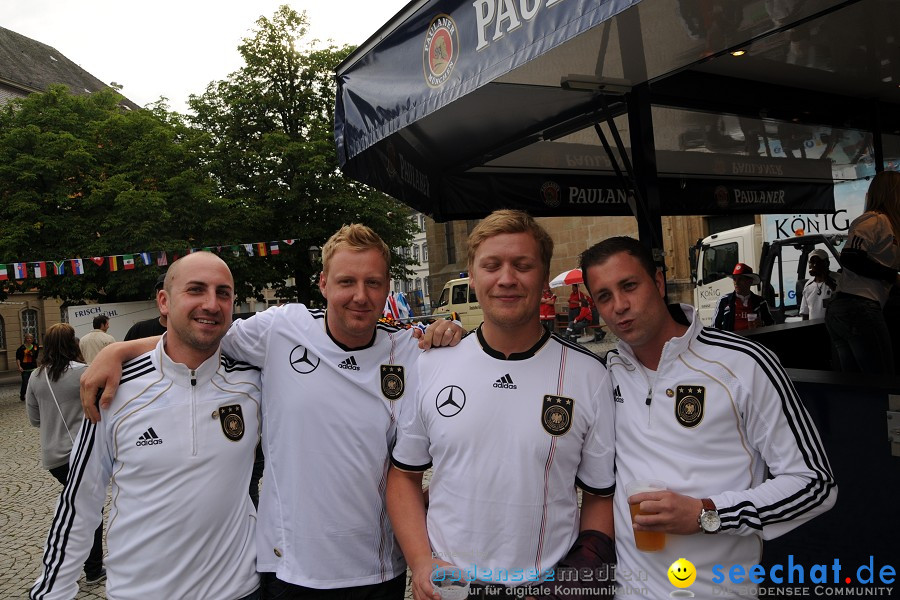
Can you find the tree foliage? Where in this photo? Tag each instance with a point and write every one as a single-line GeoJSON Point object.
{"type": "Point", "coordinates": [268, 142]}
{"type": "Point", "coordinates": [80, 176]}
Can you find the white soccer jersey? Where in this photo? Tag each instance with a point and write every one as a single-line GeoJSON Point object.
{"type": "Point", "coordinates": [329, 417]}
{"type": "Point", "coordinates": [178, 448]}
{"type": "Point", "coordinates": [871, 232]}
{"type": "Point", "coordinates": [716, 414]}
{"type": "Point", "coordinates": [815, 297]}
{"type": "Point", "coordinates": [508, 440]}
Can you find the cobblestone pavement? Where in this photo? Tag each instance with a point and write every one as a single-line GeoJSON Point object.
{"type": "Point", "coordinates": [28, 496]}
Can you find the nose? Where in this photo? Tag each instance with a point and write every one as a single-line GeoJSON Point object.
{"type": "Point", "coordinates": [506, 276]}
{"type": "Point", "coordinates": [620, 303]}
{"type": "Point", "coordinates": [209, 302]}
{"type": "Point", "coordinates": [359, 293]}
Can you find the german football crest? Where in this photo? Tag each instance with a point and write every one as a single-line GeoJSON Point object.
{"type": "Point", "coordinates": [689, 401]}
{"type": "Point", "coordinates": [392, 381]}
{"type": "Point", "coordinates": [556, 414]}
{"type": "Point", "coordinates": [232, 420]}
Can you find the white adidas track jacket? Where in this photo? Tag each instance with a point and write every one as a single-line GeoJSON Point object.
{"type": "Point", "coordinates": [177, 447]}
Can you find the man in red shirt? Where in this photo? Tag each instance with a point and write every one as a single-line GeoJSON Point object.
{"type": "Point", "coordinates": [548, 310]}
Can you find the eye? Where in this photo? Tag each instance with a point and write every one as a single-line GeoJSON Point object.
{"type": "Point", "coordinates": [602, 297]}
{"type": "Point", "coordinates": [630, 285]}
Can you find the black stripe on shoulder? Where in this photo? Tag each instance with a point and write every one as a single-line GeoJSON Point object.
{"type": "Point", "coordinates": [136, 364]}
{"type": "Point", "coordinates": [137, 374]}
{"type": "Point", "coordinates": [410, 468]}
{"type": "Point", "coordinates": [317, 313]}
{"type": "Point", "coordinates": [605, 492]}
{"type": "Point", "coordinates": [231, 364]}
{"type": "Point", "coordinates": [389, 328]}
{"type": "Point", "coordinates": [578, 348]}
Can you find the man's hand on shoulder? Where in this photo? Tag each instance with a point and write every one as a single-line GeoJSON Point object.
{"type": "Point", "coordinates": [438, 334]}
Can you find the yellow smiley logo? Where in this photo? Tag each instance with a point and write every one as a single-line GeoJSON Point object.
{"type": "Point", "coordinates": [682, 573]}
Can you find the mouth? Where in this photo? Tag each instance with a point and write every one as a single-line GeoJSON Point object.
{"type": "Point", "coordinates": [686, 577]}
{"type": "Point", "coordinates": [205, 321]}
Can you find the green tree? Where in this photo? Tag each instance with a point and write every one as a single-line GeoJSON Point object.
{"type": "Point", "coordinates": [268, 142]}
{"type": "Point", "coordinates": [80, 176]}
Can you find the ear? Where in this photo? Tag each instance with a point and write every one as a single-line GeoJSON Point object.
{"type": "Point", "coordinates": [322, 278]}
{"type": "Point", "coordinates": [660, 283]}
{"type": "Point", "coordinates": [162, 302]}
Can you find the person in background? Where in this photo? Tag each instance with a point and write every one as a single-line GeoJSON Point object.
{"type": "Point", "coordinates": [150, 327]}
{"type": "Point", "coordinates": [53, 404]}
{"type": "Point", "coordinates": [548, 309]}
{"type": "Point", "coordinates": [818, 290]}
{"type": "Point", "coordinates": [26, 361]}
{"type": "Point", "coordinates": [870, 260]}
{"type": "Point", "coordinates": [96, 340]}
{"type": "Point", "coordinates": [581, 322]}
{"type": "Point", "coordinates": [742, 309]}
{"type": "Point", "coordinates": [575, 299]}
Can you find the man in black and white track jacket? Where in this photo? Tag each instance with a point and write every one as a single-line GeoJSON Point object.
{"type": "Point", "coordinates": [177, 446]}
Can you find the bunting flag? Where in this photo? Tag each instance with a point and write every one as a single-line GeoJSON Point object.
{"type": "Point", "coordinates": [162, 260]}
{"type": "Point", "coordinates": [40, 270]}
{"type": "Point", "coordinates": [128, 261]}
{"type": "Point", "coordinates": [289, 242]}
{"type": "Point", "coordinates": [236, 251]}
{"type": "Point", "coordinates": [146, 259]}
{"type": "Point", "coordinates": [4, 274]}
{"type": "Point", "coordinates": [261, 249]}
{"type": "Point", "coordinates": [249, 249]}
{"type": "Point", "coordinates": [273, 248]}
{"type": "Point", "coordinates": [98, 260]}
{"type": "Point", "coordinates": [20, 270]}
{"type": "Point", "coordinates": [59, 267]}
{"type": "Point", "coordinates": [77, 267]}
{"type": "Point", "coordinates": [114, 264]}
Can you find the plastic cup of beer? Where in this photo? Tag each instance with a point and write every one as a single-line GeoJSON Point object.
{"type": "Point", "coordinates": [646, 541]}
{"type": "Point", "coordinates": [450, 582]}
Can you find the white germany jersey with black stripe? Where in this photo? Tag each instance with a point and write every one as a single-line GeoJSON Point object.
{"type": "Point", "coordinates": [177, 448]}
{"type": "Point", "coordinates": [329, 422]}
{"type": "Point", "coordinates": [508, 439]}
{"type": "Point", "coordinates": [718, 413]}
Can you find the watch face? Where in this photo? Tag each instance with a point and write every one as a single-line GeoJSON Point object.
{"type": "Point", "coordinates": [710, 521]}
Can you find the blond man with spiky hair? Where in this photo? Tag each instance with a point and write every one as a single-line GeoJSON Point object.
{"type": "Point", "coordinates": [334, 384]}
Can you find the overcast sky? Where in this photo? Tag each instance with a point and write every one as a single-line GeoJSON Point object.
{"type": "Point", "coordinates": [174, 48]}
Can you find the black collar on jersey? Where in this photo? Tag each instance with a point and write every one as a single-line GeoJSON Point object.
{"type": "Point", "coordinates": [515, 355]}
{"type": "Point", "coordinates": [348, 348]}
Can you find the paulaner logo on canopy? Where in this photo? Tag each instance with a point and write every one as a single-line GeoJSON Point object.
{"type": "Point", "coordinates": [441, 50]}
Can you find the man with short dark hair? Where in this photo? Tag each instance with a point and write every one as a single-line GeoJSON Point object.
{"type": "Point", "coordinates": [95, 341]}
{"type": "Point", "coordinates": [713, 416]}
{"type": "Point", "coordinates": [512, 420]}
{"type": "Point", "coordinates": [818, 290]}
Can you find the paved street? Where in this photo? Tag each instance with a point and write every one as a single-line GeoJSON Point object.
{"type": "Point", "coordinates": [28, 496]}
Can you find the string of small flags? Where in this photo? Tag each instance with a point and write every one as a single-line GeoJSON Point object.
{"type": "Point", "coordinates": [126, 262]}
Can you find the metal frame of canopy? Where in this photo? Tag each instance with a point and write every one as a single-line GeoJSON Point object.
{"type": "Point", "coordinates": [457, 107]}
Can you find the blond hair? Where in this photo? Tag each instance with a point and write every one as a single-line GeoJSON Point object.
{"type": "Point", "coordinates": [511, 221]}
{"type": "Point", "coordinates": [355, 237]}
{"type": "Point", "coordinates": [884, 197]}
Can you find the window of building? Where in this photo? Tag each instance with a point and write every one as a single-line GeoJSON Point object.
{"type": "Point", "coordinates": [425, 283]}
{"type": "Point", "coordinates": [418, 283]}
{"type": "Point", "coordinates": [422, 222]}
{"type": "Point", "coordinates": [29, 323]}
{"type": "Point", "coordinates": [425, 252]}
{"type": "Point", "coordinates": [415, 250]}
{"type": "Point", "coordinates": [451, 247]}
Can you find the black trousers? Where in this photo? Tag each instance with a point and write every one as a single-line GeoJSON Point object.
{"type": "Point", "coordinates": [25, 376]}
{"type": "Point", "coordinates": [94, 562]}
{"type": "Point", "coordinates": [276, 589]}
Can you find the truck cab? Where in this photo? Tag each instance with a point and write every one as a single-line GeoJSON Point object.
{"type": "Point", "coordinates": [713, 259]}
{"type": "Point", "coordinates": [459, 297]}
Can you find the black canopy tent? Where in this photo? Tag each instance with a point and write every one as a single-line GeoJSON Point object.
{"type": "Point", "coordinates": [459, 107]}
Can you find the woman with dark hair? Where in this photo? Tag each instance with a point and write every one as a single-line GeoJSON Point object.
{"type": "Point", "coordinates": [54, 404]}
{"type": "Point", "coordinates": [870, 261]}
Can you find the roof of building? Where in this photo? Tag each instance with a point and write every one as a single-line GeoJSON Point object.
{"type": "Point", "coordinates": [32, 66]}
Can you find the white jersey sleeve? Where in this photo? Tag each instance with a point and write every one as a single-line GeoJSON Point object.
{"type": "Point", "coordinates": [78, 514]}
{"type": "Point", "coordinates": [411, 451]}
{"type": "Point", "coordinates": [595, 473]}
{"type": "Point", "coordinates": [801, 485]}
{"type": "Point", "coordinates": [804, 303]}
{"type": "Point", "coordinates": [247, 339]}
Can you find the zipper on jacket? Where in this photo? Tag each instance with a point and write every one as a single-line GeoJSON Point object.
{"type": "Point", "coordinates": [193, 413]}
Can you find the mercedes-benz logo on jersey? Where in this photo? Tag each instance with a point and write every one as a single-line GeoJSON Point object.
{"type": "Point", "coordinates": [689, 401]}
{"type": "Point", "coordinates": [556, 414]}
{"type": "Point", "coordinates": [303, 361]}
{"type": "Point", "coordinates": [450, 401]}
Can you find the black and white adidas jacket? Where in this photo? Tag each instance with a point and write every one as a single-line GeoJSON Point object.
{"type": "Point", "coordinates": [177, 446]}
{"type": "Point", "coordinates": [719, 419]}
